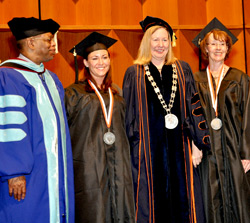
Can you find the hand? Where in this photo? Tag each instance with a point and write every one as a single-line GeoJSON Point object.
{"type": "Point", "coordinates": [246, 165]}
{"type": "Point", "coordinates": [17, 186]}
{"type": "Point", "coordinates": [196, 155]}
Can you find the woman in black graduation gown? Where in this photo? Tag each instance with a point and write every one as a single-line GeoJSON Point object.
{"type": "Point", "coordinates": [163, 117]}
{"type": "Point", "coordinates": [225, 97]}
{"type": "Point", "coordinates": [96, 112]}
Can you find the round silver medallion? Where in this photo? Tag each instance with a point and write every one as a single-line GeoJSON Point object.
{"type": "Point", "coordinates": [216, 123]}
{"type": "Point", "coordinates": [171, 121]}
{"type": "Point", "coordinates": [109, 138]}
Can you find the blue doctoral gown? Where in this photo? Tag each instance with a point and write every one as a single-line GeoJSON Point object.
{"type": "Point", "coordinates": [35, 143]}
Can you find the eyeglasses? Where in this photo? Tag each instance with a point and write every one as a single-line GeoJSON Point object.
{"type": "Point", "coordinates": [221, 44]}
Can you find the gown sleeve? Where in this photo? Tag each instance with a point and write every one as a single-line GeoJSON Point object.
{"type": "Point", "coordinates": [195, 121]}
{"type": "Point", "coordinates": [129, 94]}
{"type": "Point", "coordinates": [245, 110]}
{"type": "Point", "coordinates": [70, 101]}
{"type": "Point", "coordinates": [15, 126]}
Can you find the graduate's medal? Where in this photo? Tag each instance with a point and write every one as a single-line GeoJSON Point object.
{"type": "Point", "coordinates": [216, 123]}
{"type": "Point", "coordinates": [108, 137]}
{"type": "Point", "coordinates": [171, 121]}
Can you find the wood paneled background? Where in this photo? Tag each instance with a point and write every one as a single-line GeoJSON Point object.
{"type": "Point", "coordinates": [120, 19]}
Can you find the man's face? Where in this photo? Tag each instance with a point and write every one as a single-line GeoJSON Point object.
{"type": "Point", "coordinates": [44, 47]}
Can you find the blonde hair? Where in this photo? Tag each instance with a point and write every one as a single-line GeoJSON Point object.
{"type": "Point", "coordinates": [144, 55]}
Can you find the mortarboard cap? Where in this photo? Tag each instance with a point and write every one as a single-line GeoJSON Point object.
{"type": "Point", "coordinates": [150, 21]}
{"type": "Point", "coordinates": [22, 27]}
{"type": "Point", "coordinates": [94, 41]}
{"type": "Point", "coordinates": [214, 24]}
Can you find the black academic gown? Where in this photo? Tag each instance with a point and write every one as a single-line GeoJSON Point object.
{"type": "Point", "coordinates": [103, 180]}
{"type": "Point", "coordinates": [226, 186]}
{"type": "Point", "coordinates": [165, 183]}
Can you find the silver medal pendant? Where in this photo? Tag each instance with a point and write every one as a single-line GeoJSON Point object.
{"type": "Point", "coordinates": [109, 138]}
{"type": "Point", "coordinates": [171, 121]}
{"type": "Point", "coordinates": [216, 123]}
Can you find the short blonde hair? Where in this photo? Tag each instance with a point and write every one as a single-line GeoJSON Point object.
{"type": "Point", "coordinates": [218, 35]}
{"type": "Point", "coordinates": [144, 53]}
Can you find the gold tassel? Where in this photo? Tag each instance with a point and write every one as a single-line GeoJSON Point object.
{"type": "Point", "coordinates": [174, 40]}
{"type": "Point", "coordinates": [74, 52]}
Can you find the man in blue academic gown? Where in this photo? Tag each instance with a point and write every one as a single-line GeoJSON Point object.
{"type": "Point", "coordinates": [36, 173]}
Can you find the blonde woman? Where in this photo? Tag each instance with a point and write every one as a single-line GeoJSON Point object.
{"type": "Point", "coordinates": [163, 118]}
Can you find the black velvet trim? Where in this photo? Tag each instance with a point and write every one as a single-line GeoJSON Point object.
{"type": "Point", "coordinates": [197, 111]}
{"type": "Point", "coordinates": [195, 99]}
{"type": "Point", "coordinates": [206, 140]}
{"type": "Point", "coordinates": [203, 125]}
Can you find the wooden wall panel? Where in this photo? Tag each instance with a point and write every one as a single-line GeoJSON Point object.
{"type": "Point", "coordinates": [192, 12]}
{"type": "Point", "coordinates": [64, 70]}
{"type": "Point", "coordinates": [93, 12]}
{"type": "Point", "coordinates": [15, 8]}
{"type": "Point", "coordinates": [237, 55]}
{"type": "Point", "coordinates": [166, 10]}
{"type": "Point", "coordinates": [63, 12]}
{"type": "Point", "coordinates": [8, 49]}
{"type": "Point", "coordinates": [247, 33]}
{"type": "Point", "coordinates": [188, 51]}
{"type": "Point", "coordinates": [229, 12]}
{"type": "Point", "coordinates": [247, 14]}
{"type": "Point", "coordinates": [126, 12]}
{"type": "Point", "coordinates": [78, 12]}
{"type": "Point", "coordinates": [125, 51]}
{"type": "Point", "coordinates": [248, 50]}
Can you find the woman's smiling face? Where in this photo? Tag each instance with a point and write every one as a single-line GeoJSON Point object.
{"type": "Point", "coordinates": [159, 45]}
{"type": "Point", "coordinates": [98, 63]}
{"type": "Point", "coordinates": [216, 49]}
